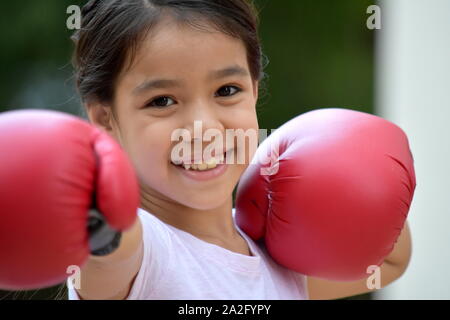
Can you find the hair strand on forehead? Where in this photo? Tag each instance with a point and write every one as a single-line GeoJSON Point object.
{"type": "Point", "coordinates": [111, 31]}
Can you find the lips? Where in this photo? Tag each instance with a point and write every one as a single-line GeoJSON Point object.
{"type": "Point", "coordinates": [202, 175]}
{"type": "Point", "coordinates": [206, 165]}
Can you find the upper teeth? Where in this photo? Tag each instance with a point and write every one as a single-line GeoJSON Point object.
{"type": "Point", "coordinates": [209, 164]}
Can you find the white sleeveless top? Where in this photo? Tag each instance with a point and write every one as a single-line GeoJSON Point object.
{"type": "Point", "coordinates": [177, 265]}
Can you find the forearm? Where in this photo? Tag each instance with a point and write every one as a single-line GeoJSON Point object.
{"type": "Point", "coordinates": [396, 263]}
{"type": "Point", "coordinates": [401, 254]}
{"type": "Point", "coordinates": [393, 267]}
{"type": "Point", "coordinates": [111, 276]}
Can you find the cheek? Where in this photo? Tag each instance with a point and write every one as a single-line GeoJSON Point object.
{"type": "Point", "coordinates": [147, 142]}
{"type": "Point", "coordinates": [149, 149]}
{"type": "Point", "coordinates": [246, 128]}
{"type": "Point", "coordinates": [246, 117]}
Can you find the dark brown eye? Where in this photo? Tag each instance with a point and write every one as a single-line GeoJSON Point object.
{"type": "Point", "coordinates": [161, 102]}
{"type": "Point", "coordinates": [226, 91]}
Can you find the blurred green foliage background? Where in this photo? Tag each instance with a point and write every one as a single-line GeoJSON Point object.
{"type": "Point", "coordinates": [320, 51]}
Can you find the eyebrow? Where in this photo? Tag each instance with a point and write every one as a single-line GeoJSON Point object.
{"type": "Point", "coordinates": [170, 83]}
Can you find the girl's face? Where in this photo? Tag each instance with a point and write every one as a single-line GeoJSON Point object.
{"type": "Point", "coordinates": [148, 112]}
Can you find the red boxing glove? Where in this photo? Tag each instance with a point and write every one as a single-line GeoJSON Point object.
{"type": "Point", "coordinates": [54, 168]}
{"type": "Point", "coordinates": [337, 197]}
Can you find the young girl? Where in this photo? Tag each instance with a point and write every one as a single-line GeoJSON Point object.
{"type": "Point", "coordinates": [146, 68]}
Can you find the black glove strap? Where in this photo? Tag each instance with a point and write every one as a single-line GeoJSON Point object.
{"type": "Point", "coordinates": [103, 240]}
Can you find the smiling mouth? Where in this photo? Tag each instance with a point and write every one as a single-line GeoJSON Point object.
{"type": "Point", "coordinates": [205, 166]}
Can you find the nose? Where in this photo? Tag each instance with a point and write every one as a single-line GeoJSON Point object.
{"type": "Point", "coordinates": [202, 117]}
{"type": "Point", "coordinates": [202, 120]}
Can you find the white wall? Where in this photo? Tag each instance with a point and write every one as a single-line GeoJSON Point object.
{"type": "Point", "coordinates": [413, 90]}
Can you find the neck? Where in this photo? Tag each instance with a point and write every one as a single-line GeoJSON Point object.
{"type": "Point", "coordinates": [210, 225]}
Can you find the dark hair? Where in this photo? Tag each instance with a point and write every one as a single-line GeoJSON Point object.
{"type": "Point", "coordinates": [112, 29]}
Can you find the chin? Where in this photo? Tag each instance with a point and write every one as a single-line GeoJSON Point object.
{"type": "Point", "coordinates": [206, 201]}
